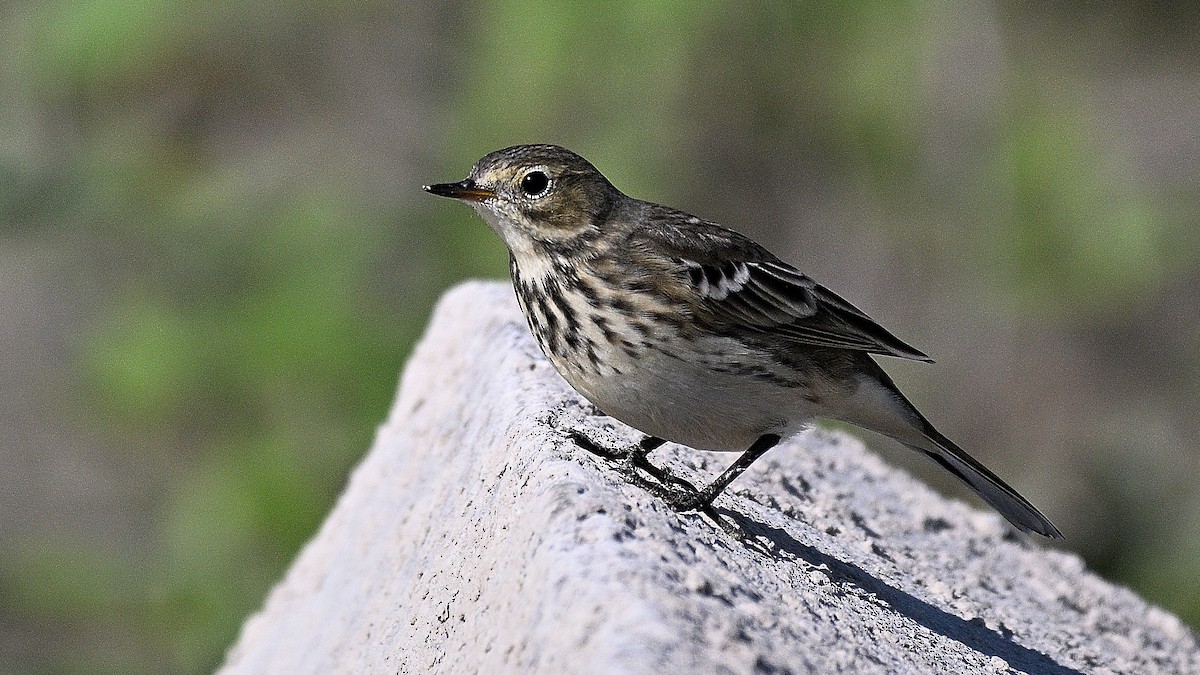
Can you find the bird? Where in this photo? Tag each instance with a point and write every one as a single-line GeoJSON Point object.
{"type": "Point", "coordinates": [691, 332]}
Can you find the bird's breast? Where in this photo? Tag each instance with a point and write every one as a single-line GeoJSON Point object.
{"type": "Point", "coordinates": [634, 357]}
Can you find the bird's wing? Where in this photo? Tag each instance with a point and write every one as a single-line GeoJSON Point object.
{"type": "Point", "coordinates": [743, 285]}
{"type": "Point", "coordinates": [774, 297]}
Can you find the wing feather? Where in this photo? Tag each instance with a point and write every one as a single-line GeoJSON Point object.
{"type": "Point", "coordinates": [744, 286]}
{"type": "Point", "coordinates": [771, 296]}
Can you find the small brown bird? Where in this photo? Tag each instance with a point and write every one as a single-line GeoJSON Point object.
{"type": "Point", "coordinates": [691, 332]}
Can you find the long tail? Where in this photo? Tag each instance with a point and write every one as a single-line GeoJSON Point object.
{"type": "Point", "coordinates": [878, 405]}
{"type": "Point", "coordinates": [987, 485]}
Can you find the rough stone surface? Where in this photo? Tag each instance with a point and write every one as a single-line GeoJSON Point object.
{"type": "Point", "coordinates": [476, 538]}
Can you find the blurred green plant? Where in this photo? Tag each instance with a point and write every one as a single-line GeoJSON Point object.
{"type": "Point", "coordinates": [1077, 223]}
{"type": "Point", "coordinates": [243, 333]}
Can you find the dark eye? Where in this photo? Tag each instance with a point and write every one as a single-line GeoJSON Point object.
{"type": "Point", "coordinates": [535, 183]}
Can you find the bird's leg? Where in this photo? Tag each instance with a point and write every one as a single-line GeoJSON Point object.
{"type": "Point", "coordinates": [584, 441]}
{"type": "Point", "coordinates": [684, 496]}
{"type": "Point", "coordinates": [700, 500]}
{"type": "Point", "coordinates": [645, 447]}
{"type": "Point", "coordinates": [677, 492]}
{"type": "Point", "coordinates": [638, 458]}
{"type": "Point", "coordinates": [635, 458]}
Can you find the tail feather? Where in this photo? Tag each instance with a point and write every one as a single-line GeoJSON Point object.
{"type": "Point", "coordinates": [1015, 508]}
{"type": "Point", "coordinates": [878, 405]}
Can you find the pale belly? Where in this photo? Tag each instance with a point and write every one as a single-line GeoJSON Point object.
{"type": "Point", "coordinates": [721, 396]}
{"type": "Point", "coordinates": [688, 401]}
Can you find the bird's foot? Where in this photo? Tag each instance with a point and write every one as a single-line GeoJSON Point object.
{"type": "Point", "coordinates": [682, 497]}
{"type": "Point", "coordinates": [634, 463]}
{"type": "Point", "coordinates": [584, 441]}
{"type": "Point", "coordinates": [689, 500]}
{"type": "Point", "coordinates": [700, 501]}
{"type": "Point", "coordinates": [678, 493]}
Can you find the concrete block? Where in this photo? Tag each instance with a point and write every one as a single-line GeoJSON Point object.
{"type": "Point", "coordinates": [475, 537]}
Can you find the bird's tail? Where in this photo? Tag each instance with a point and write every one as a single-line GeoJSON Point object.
{"type": "Point", "coordinates": [878, 405]}
{"type": "Point", "coordinates": [1015, 508]}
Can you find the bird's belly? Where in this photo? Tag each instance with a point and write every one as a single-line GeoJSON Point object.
{"type": "Point", "coordinates": [704, 402]}
{"type": "Point", "coordinates": [706, 391]}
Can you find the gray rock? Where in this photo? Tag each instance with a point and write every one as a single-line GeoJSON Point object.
{"type": "Point", "coordinates": [475, 537]}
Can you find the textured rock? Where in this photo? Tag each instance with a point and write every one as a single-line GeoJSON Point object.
{"type": "Point", "coordinates": [476, 538]}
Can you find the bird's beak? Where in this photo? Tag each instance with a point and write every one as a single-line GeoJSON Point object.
{"type": "Point", "coordinates": [465, 190]}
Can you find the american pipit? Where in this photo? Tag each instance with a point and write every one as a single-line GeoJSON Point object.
{"type": "Point", "coordinates": [691, 332]}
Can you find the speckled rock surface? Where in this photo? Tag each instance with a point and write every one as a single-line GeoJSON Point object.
{"type": "Point", "coordinates": [475, 537]}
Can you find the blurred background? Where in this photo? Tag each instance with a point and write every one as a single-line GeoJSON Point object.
{"type": "Point", "coordinates": [215, 256]}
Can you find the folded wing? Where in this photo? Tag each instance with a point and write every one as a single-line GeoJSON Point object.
{"type": "Point", "coordinates": [744, 286]}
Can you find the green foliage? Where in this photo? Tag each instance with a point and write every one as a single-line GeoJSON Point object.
{"type": "Point", "coordinates": [1078, 222]}
{"type": "Point", "coordinates": [255, 338]}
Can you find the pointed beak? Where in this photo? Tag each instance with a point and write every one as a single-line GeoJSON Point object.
{"type": "Point", "coordinates": [465, 190]}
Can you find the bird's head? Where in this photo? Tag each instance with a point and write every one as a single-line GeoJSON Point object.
{"type": "Point", "coordinates": [536, 194]}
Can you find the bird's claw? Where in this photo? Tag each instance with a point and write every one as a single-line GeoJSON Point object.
{"type": "Point", "coordinates": [582, 440]}
{"type": "Point", "coordinates": [677, 493]}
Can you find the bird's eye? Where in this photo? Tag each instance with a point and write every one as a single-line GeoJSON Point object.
{"type": "Point", "coordinates": [535, 183]}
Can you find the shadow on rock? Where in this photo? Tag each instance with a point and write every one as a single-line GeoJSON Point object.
{"type": "Point", "coordinates": [972, 634]}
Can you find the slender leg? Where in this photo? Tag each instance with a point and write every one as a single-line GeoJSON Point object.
{"type": "Point", "coordinates": [702, 499]}
{"type": "Point", "coordinates": [634, 455]}
{"type": "Point", "coordinates": [637, 459]}
{"type": "Point", "coordinates": [647, 445]}
{"type": "Point", "coordinates": [685, 496]}
{"type": "Point", "coordinates": [582, 440]}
